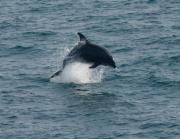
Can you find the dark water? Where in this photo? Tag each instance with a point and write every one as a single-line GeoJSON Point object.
{"type": "Point", "coordinates": [139, 99]}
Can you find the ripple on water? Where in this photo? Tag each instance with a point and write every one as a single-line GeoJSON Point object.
{"type": "Point", "coordinates": [139, 99]}
{"type": "Point", "coordinates": [39, 33]}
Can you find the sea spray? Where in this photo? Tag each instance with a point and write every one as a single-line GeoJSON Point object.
{"type": "Point", "coordinates": [79, 73]}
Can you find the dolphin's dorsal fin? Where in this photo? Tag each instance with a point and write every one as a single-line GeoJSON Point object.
{"type": "Point", "coordinates": [82, 37]}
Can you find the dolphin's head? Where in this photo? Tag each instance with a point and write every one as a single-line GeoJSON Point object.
{"type": "Point", "coordinates": [110, 62]}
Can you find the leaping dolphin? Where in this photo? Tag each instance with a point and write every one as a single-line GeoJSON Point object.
{"type": "Point", "coordinates": [87, 52]}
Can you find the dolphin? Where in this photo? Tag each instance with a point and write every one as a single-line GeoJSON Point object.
{"type": "Point", "coordinates": [87, 52]}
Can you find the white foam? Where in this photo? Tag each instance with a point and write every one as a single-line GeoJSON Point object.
{"type": "Point", "coordinates": [79, 73]}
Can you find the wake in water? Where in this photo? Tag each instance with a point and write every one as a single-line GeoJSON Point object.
{"type": "Point", "coordinates": [77, 72]}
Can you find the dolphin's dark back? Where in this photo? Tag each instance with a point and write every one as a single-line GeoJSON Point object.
{"type": "Point", "coordinates": [94, 53]}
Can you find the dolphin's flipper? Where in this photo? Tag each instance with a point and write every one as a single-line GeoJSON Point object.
{"type": "Point", "coordinates": [94, 65]}
{"type": "Point", "coordinates": [55, 74]}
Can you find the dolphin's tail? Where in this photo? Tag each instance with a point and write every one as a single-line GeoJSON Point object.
{"type": "Point", "coordinates": [56, 73]}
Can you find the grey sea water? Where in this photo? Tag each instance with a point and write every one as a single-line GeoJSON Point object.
{"type": "Point", "coordinates": [140, 99]}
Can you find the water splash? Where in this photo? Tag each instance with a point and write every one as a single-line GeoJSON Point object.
{"type": "Point", "coordinates": [78, 72]}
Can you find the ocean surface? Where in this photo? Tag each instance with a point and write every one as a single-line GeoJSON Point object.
{"type": "Point", "coordinates": [140, 99]}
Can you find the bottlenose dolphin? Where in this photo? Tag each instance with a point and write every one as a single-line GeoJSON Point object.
{"type": "Point", "coordinates": [87, 52]}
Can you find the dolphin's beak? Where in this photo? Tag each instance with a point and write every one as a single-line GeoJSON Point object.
{"type": "Point", "coordinates": [113, 64]}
